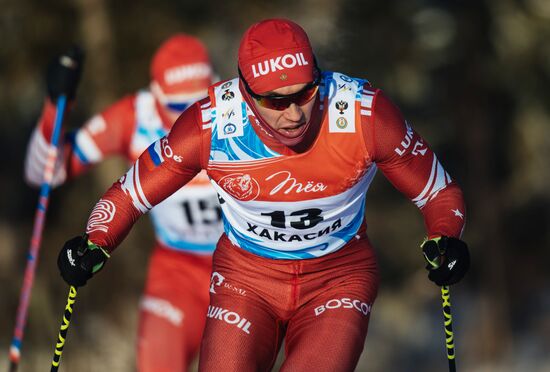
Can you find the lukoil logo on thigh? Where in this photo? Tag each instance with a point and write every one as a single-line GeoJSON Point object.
{"type": "Point", "coordinates": [230, 317]}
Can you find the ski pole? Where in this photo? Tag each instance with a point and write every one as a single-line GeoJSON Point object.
{"type": "Point", "coordinates": [71, 299]}
{"type": "Point", "coordinates": [36, 238]}
{"type": "Point", "coordinates": [448, 321]}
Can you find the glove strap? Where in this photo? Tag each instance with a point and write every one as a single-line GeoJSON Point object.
{"type": "Point", "coordinates": [432, 258]}
{"type": "Point", "coordinates": [92, 246]}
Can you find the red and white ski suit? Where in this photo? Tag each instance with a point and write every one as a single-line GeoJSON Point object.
{"type": "Point", "coordinates": [295, 260]}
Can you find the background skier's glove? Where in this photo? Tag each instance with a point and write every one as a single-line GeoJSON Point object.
{"type": "Point", "coordinates": [63, 74]}
{"type": "Point", "coordinates": [80, 259]}
{"type": "Point", "coordinates": [448, 259]}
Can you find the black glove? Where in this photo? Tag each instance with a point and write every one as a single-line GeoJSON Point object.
{"type": "Point", "coordinates": [80, 259]}
{"type": "Point", "coordinates": [448, 259]}
{"type": "Point", "coordinates": [63, 74]}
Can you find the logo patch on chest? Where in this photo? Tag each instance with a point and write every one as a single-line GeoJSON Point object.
{"type": "Point", "coordinates": [241, 186]}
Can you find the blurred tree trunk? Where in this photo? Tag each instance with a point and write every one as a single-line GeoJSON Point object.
{"type": "Point", "coordinates": [486, 209]}
{"type": "Point", "coordinates": [483, 120]}
{"type": "Point", "coordinates": [100, 72]}
{"type": "Point", "coordinates": [100, 69]}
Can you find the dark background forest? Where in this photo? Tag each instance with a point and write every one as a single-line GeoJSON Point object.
{"type": "Point", "coordinates": [472, 77]}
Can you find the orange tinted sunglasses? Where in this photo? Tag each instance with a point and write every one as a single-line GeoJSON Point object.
{"type": "Point", "coordinates": [282, 102]}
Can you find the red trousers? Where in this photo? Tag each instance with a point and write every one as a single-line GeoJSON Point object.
{"type": "Point", "coordinates": [319, 306]}
{"type": "Point", "coordinates": [172, 311]}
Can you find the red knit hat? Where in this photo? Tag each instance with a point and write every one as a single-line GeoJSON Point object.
{"type": "Point", "coordinates": [181, 66]}
{"type": "Point", "coordinates": [275, 53]}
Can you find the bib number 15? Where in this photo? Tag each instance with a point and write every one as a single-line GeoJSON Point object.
{"type": "Point", "coordinates": [302, 219]}
{"type": "Point", "coordinates": [205, 212]}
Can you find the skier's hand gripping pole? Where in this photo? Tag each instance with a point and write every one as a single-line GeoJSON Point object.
{"type": "Point", "coordinates": [78, 261]}
{"type": "Point", "coordinates": [448, 260]}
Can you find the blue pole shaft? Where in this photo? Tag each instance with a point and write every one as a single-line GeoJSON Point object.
{"type": "Point", "coordinates": [36, 238]}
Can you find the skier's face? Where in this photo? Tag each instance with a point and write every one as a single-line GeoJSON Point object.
{"type": "Point", "coordinates": [290, 122]}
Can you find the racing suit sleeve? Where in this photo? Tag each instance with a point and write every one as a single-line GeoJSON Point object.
{"type": "Point", "coordinates": [407, 161]}
{"type": "Point", "coordinates": [162, 169]}
{"type": "Point", "coordinates": [105, 134]}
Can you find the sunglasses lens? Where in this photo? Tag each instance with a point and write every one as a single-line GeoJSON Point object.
{"type": "Point", "coordinates": [274, 104]}
{"type": "Point", "coordinates": [307, 96]}
{"type": "Point", "coordinates": [283, 102]}
{"type": "Point", "coordinates": [177, 106]}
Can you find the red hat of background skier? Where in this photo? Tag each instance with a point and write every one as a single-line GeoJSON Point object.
{"type": "Point", "coordinates": [275, 53]}
{"type": "Point", "coordinates": [181, 66]}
